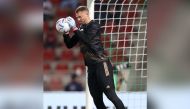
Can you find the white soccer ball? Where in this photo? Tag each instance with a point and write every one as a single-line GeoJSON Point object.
{"type": "Point", "coordinates": [62, 25]}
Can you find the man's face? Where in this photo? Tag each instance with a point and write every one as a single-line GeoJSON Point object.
{"type": "Point", "coordinates": [82, 16]}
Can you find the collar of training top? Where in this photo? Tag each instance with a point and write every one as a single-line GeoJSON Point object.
{"type": "Point", "coordinates": [88, 23]}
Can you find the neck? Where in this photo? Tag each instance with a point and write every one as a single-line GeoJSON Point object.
{"type": "Point", "coordinates": [87, 21]}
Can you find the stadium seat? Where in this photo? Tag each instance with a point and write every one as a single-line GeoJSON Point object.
{"type": "Point", "coordinates": [45, 26]}
{"type": "Point", "coordinates": [61, 13]}
{"type": "Point", "coordinates": [107, 45]}
{"type": "Point", "coordinates": [133, 14]}
{"type": "Point", "coordinates": [55, 84]}
{"type": "Point", "coordinates": [138, 1]}
{"type": "Point", "coordinates": [55, 2]}
{"type": "Point", "coordinates": [129, 29]}
{"type": "Point", "coordinates": [67, 55]}
{"type": "Point", "coordinates": [123, 41]}
{"type": "Point", "coordinates": [48, 54]}
{"type": "Point", "coordinates": [127, 25]}
{"type": "Point", "coordinates": [79, 57]}
{"type": "Point", "coordinates": [51, 39]}
{"type": "Point", "coordinates": [108, 28]}
{"type": "Point", "coordinates": [118, 55]}
{"type": "Point", "coordinates": [61, 68]}
{"type": "Point", "coordinates": [82, 2]}
{"type": "Point", "coordinates": [46, 68]}
{"type": "Point", "coordinates": [106, 41]}
{"type": "Point", "coordinates": [81, 66]}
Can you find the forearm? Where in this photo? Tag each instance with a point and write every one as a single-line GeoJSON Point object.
{"type": "Point", "coordinates": [70, 42]}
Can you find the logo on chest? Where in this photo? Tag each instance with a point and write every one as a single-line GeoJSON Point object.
{"type": "Point", "coordinates": [81, 29]}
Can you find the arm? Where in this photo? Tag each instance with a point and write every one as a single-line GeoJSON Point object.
{"type": "Point", "coordinates": [70, 42]}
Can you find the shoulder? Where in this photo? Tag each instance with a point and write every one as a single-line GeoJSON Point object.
{"type": "Point", "coordinates": [94, 24]}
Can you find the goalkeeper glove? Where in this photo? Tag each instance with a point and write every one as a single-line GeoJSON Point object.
{"type": "Point", "coordinates": [71, 23]}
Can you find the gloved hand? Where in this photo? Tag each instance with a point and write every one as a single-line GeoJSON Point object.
{"type": "Point", "coordinates": [71, 22]}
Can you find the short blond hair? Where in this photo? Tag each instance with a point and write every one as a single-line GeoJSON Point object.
{"type": "Point", "coordinates": [81, 8]}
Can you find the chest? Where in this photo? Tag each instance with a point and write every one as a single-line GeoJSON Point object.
{"type": "Point", "coordinates": [84, 28]}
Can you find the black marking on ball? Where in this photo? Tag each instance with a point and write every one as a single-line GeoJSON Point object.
{"type": "Point", "coordinates": [61, 25]}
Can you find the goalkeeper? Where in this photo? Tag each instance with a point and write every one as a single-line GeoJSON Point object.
{"type": "Point", "coordinates": [100, 71]}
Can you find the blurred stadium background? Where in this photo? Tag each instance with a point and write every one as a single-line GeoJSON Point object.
{"type": "Point", "coordinates": [124, 37]}
{"type": "Point", "coordinates": [21, 63]}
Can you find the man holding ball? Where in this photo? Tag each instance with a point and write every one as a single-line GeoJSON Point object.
{"type": "Point", "coordinates": [100, 71]}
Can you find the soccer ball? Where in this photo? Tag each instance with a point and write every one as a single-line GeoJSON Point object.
{"type": "Point", "coordinates": [62, 26]}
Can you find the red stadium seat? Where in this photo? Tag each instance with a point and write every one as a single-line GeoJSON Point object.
{"type": "Point", "coordinates": [106, 41]}
{"type": "Point", "coordinates": [133, 2]}
{"type": "Point", "coordinates": [133, 14]}
{"type": "Point", "coordinates": [138, 1]}
{"type": "Point", "coordinates": [55, 84]}
{"type": "Point", "coordinates": [46, 26]}
{"type": "Point", "coordinates": [55, 2]}
{"type": "Point", "coordinates": [61, 13]}
{"type": "Point", "coordinates": [118, 56]}
{"type": "Point", "coordinates": [81, 66]}
{"type": "Point", "coordinates": [48, 54]}
{"type": "Point", "coordinates": [67, 55]}
{"type": "Point", "coordinates": [129, 28]}
{"type": "Point", "coordinates": [79, 57]}
{"type": "Point", "coordinates": [109, 27]}
{"type": "Point", "coordinates": [124, 28]}
{"type": "Point", "coordinates": [123, 41]}
{"type": "Point", "coordinates": [61, 68]}
{"type": "Point", "coordinates": [107, 45]}
{"type": "Point", "coordinates": [82, 2]}
{"type": "Point", "coordinates": [46, 68]}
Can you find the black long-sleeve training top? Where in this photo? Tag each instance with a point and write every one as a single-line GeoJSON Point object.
{"type": "Point", "coordinates": [88, 36]}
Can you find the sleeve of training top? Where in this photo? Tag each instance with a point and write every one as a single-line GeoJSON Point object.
{"type": "Point", "coordinates": [89, 35]}
{"type": "Point", "coordinates": [70, 42]}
